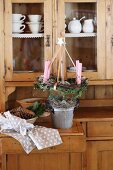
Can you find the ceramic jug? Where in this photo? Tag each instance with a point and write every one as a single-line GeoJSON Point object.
{"type": "Point", "coordinates": [75, 26]}
{"type": "Point", "coordinates": [88, 26]}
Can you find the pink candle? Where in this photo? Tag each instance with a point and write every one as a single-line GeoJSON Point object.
{"type": "Point", "coordinates": [46, 70]}
{"type": "Point", "coordinates": [78, 71]}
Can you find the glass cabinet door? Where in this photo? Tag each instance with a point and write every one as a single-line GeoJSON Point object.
{"type": "Point", "coordinates": [82, 23]}
{"type": "Point", "coordinates": [28, 38]}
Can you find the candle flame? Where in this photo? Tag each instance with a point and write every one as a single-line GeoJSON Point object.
{"type": "Point", "coordinates": [55, 85]}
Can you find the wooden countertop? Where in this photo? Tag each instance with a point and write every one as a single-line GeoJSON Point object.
{"type": "Point", "coordinates": [76, 130]}
{"type": "Point", "coordinates": [94, 114]}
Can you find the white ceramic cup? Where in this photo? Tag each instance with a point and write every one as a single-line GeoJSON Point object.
{"type": "Point", "coordinates": [18, 17]}
{"type": "Point", "coordinates": [35, 27]}
{"type": "Point", "coordinates": [34, 18]}
{"type": "Point", "coordinates": [17, 27]}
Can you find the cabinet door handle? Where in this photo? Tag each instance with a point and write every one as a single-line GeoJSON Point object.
{"type": "Point", "coordinates": [47, 43]}
{"type": "Point", "coordinates": [112, 40]}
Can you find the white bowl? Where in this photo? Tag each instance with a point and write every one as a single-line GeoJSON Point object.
{"type": "Point", "coordinates": [32, 120]}
{"type": "Point", "coordinates": [45, 114]}
{"type": "Point", "coordinates": [73, 69]}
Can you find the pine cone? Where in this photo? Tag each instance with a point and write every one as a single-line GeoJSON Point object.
{"type": "Point", "coordinates": [22, 113]}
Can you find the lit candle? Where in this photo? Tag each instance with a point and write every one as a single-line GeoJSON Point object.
{"type": "Point", "coordinates": [46, 70]}
{"type": "Point", "coordinates": [55, 85]}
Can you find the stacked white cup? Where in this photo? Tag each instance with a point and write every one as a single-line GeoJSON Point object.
{"type": "Point", "coordinates": [35, 24]}
{"type": "Point", "coordinates": [17, 23]}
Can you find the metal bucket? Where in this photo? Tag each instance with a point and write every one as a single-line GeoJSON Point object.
{"type": "Point", "coordinates": [63, 117]}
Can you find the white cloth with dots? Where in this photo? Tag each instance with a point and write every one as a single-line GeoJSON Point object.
{"type": "Point", "coordinates": [27, 134]}
{"type": "Point", "coordinates": [44, 137]}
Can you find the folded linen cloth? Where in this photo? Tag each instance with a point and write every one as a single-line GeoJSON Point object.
{"type": "Point", "coordinates": [27, 134]}
{"type": "Point", "coordinates": [44, 137]}
{"type": "Point", "coordinates": [26, 142]}
{"type": "Point", "coordinates": [9, 121]}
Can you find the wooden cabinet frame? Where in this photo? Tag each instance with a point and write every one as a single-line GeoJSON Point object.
{"type": "Point", "coordinates": [2, 71]}
{"type": "Point", "coordinates": [109, 39]}
{"type": "Point", "coordinates": [10, 76]}
{"type": "Point", "coordinates": [55, 28]}
{"type": "Point", "coordinates": [100, 74]}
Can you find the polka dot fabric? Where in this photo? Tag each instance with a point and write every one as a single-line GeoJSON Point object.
{"type": "Point", "coordinates": [26, 142]}
{"type": "Point", "coordinates": [28, 135]}
{"type": "Point", "coordinates": [44, 137]}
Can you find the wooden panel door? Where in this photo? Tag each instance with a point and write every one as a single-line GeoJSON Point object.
{"type": "Point", "coordinates": [100, 155]}
{"type": "Point", "coordinates": [88, 48]}
{"type": "Point", "coordinates": [25, 51]}
{"type": "Point", "coordinates": [53, 161]}
{"type": "Point", "coordinates": [39, 161]}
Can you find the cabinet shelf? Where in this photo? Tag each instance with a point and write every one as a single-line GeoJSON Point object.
{"type": "Point", "coordinates": [40, 35]}
{"type": "Point", "coordinates": [81, 35]}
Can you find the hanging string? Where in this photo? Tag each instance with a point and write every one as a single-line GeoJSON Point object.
{"type": "Point", "coordinates": [55, 56]}
{"type": "Point", "coordinates": [60, 44]}
{"type": "Point", "coordinates": [70, 57]}
{"type": "Point", "coordinates": [62, 66]}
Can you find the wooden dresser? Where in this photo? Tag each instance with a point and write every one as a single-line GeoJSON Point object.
{"type": "Point", "coordinates": [88, 145]}
{"type": "Point", "coordinates": [67, 156]}
{"type": "Point", "coordinates": [98, 128]}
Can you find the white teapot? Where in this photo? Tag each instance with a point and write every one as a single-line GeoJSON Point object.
{"type": "Point", "coordinates": [88, 26]}
{"type": "Point", "coordinates": [75, 26]}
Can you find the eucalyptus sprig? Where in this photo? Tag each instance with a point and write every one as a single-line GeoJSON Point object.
{"type": "Point", "coordinates": [37, 108]}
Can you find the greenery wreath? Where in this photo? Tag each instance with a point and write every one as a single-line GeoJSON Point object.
{"type": "Point", "coordinates": [65, 94]}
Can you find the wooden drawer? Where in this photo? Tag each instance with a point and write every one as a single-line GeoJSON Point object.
{"type": "Point", "coordinates": [100, 129]}
{"type": "Point", "coordinates": [70, 144]}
